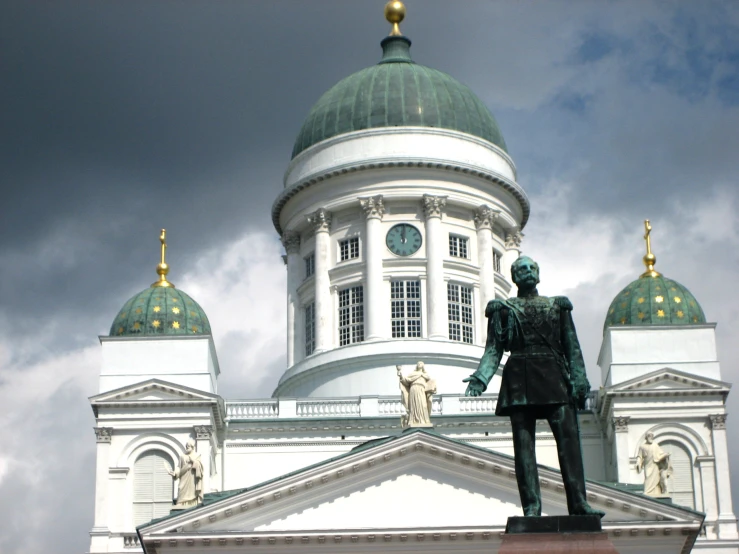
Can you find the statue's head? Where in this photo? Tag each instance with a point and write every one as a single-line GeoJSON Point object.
{"type": "Point", "coordinates": [189, 446]}
{"type": "Point", "coordinates": [420, 366]}
{"type": "Point", "coordinates": [525, 271]}
{"type": "Point", "coordinates": [650, 438]}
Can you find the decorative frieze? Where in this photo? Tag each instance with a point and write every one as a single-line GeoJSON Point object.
{"type": "Point", "coordinates": [203, 432]}
{"type": "Point", "coordinates": [485, 217]}
{"type": "Point", "coordinates": [621, 424]}
{"type": "Point", "coordinates": [103, 434]}
{"type": "Point", "coordinates": [514, 239]}
{"type": "Point", "coordinates": [432, 205]}
{"type": "Point", "coordinates": [320, 220]}
{"type": "Point", "coordinates": [718, 421]}
{"type": "Point", "coordinates": [291, 241]}
{"type": "Point", "coordinates": [372, 206]}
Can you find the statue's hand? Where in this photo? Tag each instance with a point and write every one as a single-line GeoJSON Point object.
{"type": "Point", "coordinates": [580, 390]}
{"type": "Point", "coordinates": [475, 386]}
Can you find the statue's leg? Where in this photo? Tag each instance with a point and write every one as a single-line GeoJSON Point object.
{"type": "Point", "coordinates": [523, 423]}
{"type": "Point", "coordinates": [562, 420]}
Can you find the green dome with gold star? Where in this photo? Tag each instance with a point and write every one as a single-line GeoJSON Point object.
{"type": "Point", "coordinates": [653, 299]}
{"type": "Point", "coordinates": [161, 309]}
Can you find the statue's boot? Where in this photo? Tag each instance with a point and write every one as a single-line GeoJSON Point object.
{"type": "Point", "coordinates": [527, 475]}
{"type": "Point", "coordinates": [565, 430]}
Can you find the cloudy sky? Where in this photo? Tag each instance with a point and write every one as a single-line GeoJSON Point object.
{"type": "Point", "coordinates": [122, 117]}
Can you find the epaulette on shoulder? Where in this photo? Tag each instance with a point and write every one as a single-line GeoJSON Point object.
{"type": "Point", "coordinates": [493, 306]}
{"type": "Point", "coordinates": [563, 302]}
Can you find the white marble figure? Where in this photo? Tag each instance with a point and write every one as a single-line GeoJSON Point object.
{"type": "Point", "coordinates": [656, 465]}
{"type": "Point", "coordinates": [190, 474]}
{"type": "Point", "coordinates": [416, 390]}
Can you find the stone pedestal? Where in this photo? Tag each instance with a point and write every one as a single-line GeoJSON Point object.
{"type": "Point", "coordinates": [556, 535]}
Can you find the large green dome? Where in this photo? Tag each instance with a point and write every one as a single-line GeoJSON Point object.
{"type": "Point", "coordinates": [160, 311]}
{"type": "Point", "coordinates": [397, 92]}
{"type": "Point", "coordinates": [654, 300]}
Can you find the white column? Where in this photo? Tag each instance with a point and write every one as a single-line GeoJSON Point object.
{"type": "Point", "coordinates": [100, 531]}
{"type": "Point", "coordinates": [513, 240]}
{"type": "Point", "coordinates": [707, 468]}
{"type": "Point", "coordinates": [291, 242]}
{"type": "Point", "coordinates": [621, 447]}
{"type": "Point", "coordinates": [320, 221]}
{"type": "Point", "coordinates": [374, 305]}
{"type": "Point", "coordinates": [726, 518]}
{"type": "Point", "coordinates": [203, 446]}
{"type": "Point", "coordinates": [485, 217]}
{"type": "Point", "coordinates": [436, 247]}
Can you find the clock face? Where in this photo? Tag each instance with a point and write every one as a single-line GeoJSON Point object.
{"type": "Point", "coordinates": [403, 239]}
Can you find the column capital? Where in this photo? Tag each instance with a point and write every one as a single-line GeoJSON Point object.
{"type": "Point", "coordinates": [514, 238]}
{"type": "Point", "coordinates": [373, 206]}
{"type": "Point", "coordinates": [432, 205]}
{"type": "Point", "coordinates": [203, 432]}
{"type": "Point", "coordinates": [718, 421]}
{"type": "Point", "coordinates": [320, 220]}
{"type": "Point", "coordinates": [485, 217]}
{"type": "Point", "coordinates": [621, 424]}
{"type": "Point", "coordinates": [103, 434]}
{"type": "Point", "coordinates": [291, 241]}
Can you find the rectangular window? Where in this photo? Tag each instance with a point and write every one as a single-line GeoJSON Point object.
{"type": "Point", "coordinates": [351, 315]}
{"type": "Point", "coordinates": [310, 328]}
{"type": "Point", "coordinates": [458, 246]}
{"type": "Point", "coordinates": [460, 313]}
{"type": "Point", "coordinates": [405, 308]}
{"type": "Point", "coordinates": [496, 262]}
{"type": "Point", "coordinates": [310, 264]}
{"type": "Point", "coordinates": [349, 249]}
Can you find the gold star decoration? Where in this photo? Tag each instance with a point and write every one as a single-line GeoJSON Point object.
{"type": "Point", "coordinates": [626, 293]}
{"type": "Point", "coordinates": [136, 326]}
{"type": "Point", "coordinates": [641, 300]}
{"type": "Point", "coordinates": [640, 315]}
{"type": "Point", "coordinates": [695, 319]}
{"type": "Point", "coordinates": [123, 314]}
{"type": "Point", "coordinates": [194, 329]}
{"type": "Point", "coordinates": [680, 313]}
{"type": "Point", "coordinates": [157, 309]}
{"type": "Point", "coordinates": [677, 300]}
{"type": "Point", "coordinates": [193, 314]}
{"type": "Point", "coordinates": [120, 330]}
{"type": "Point", "coordinates": [623, 320]}
{"type": "Point", "coordinates": [612, 310]}
{"type": "Point", "coordinates": [174, 300]}
{"type": "Point", "coordinates": [623, 304]}
{"type": "Point", "coordinates": [660, 313]}
{"type": "Point", "coordinates": [175, 325]}
{"type": "Point", "coordinates": [175, 310]}
{"type": "Point", "coordinates": [659, 299]}
{"type": "Point", "coordinates": [673, 289]}
{"type": "Point", "coordinates": [156, 323]}
{"type": "Point", "coordinates": [138, 310]}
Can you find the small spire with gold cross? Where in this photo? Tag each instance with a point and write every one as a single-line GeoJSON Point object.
{"type": "Point", "coordinates": [395, 13]}
{"type": "Point", "coordinates": [649, 258]}
{"type": "Point", "coordinates": [162, 267]}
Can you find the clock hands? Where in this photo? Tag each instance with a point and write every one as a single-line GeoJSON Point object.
{"type": "Point", "coordinates": [402, 235]}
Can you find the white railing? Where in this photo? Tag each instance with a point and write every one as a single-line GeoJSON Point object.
{"type": "Point", "coordinates": [390, 407]}
{"type": "Point", "coordinates": [131, 541]}
{"type": "Point", "coordinates": [477, 405]}
{"type": "Point", "coordinates": [320, 408]}
{"type": "Point", "coordinates": [252, 409]}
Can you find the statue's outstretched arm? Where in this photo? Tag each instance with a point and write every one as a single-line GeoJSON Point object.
{"type": "Point", "coordinates": [479, 380]}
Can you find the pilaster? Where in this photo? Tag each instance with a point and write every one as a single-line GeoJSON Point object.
{"type": "Point", "coordinates": [485, 218]}
{"type": "Point", "coordinates": [203, 446]}
{"type": "Point", "coordinates": [726, 519]}
{"type": "Point", "coordinates": [320, 222]}
{"type": "Point", "coordinates": [100, 530]}
{"type": "Point", "coordinates": [621, 447]}
{"type": "Point", "coordinates": [436, 301]}
{"type": "Point", "coordinates": [707, 468]}
{"type": "Point", "coordinates": [375, 303]}
{"type": "Point", "coordinates": [291, 242]}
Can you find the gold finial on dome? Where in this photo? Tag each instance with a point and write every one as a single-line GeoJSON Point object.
{"type": "Point", "coordinates": [395, 13]}
{"type": "Point", "coordinates": [162, 267]}
{"type": "Point", "coordinates": [649, 258]}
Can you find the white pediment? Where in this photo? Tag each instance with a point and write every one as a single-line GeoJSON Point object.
{"type": "Point", "coordinates": [668, 379]}
{"type": "Point", "coordinates": [153, 390]}
{"type": "Point", "coordinates": [415, 480]}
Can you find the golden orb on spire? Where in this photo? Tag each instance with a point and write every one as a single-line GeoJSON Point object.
{"type": "Point", "coordinates": [395, 13]}
{"type": "Point", "coordinates": [649, 258]}
{"type": "Point", "coordinates": [162, 267]}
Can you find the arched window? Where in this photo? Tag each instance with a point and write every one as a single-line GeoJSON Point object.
{"type": "Point", "coordinates": [152, 487]}
{"type": "Point", "coordinates": [680, 484]}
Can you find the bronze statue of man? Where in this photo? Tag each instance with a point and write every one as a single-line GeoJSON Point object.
{"type": "Point", "coordinates": [544, 378]}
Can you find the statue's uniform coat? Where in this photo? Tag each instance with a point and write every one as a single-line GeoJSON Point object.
{"type": "Point", "coordinates": [545, 361]}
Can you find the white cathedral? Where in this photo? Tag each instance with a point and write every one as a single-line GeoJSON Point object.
{"type": "Point", "coordinates": [400, 217]}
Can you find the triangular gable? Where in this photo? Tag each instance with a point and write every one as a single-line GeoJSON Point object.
{"type": "Point", "coordinates": [670, 379]}
{"type": "Point", "coordinates": [416, 480]}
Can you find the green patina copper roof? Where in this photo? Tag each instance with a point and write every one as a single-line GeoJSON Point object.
{"type": "Point", "coordinates": [160, 311]}
{"type": "Point", "coordinates": [397, 92]}
{"type": "Point", "coordinates": [654, 301]}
